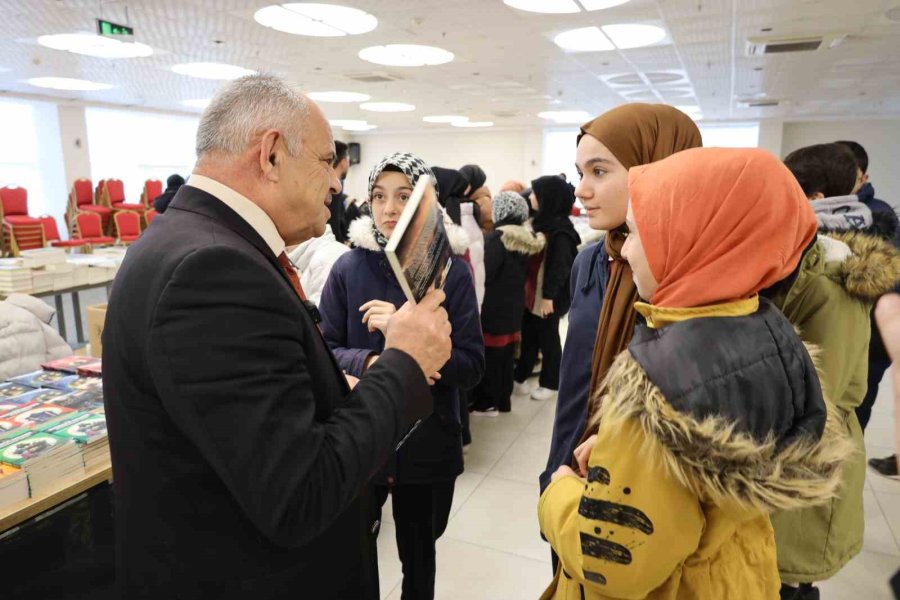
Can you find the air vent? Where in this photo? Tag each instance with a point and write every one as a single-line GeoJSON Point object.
{"type": "Point", "coordinates": [783, 45]}
{"type": "Point", "coordinates": [761, 103]}
{"type": "Point", "coordinates": [505, 114]}
{"type": "Point", "coordinates": [375, 77]}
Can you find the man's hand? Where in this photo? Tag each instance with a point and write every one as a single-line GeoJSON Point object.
{"type": "Point", "coordinates": [563, 471]}
{"type": "Point", "coordinates": [546, 308]}
{"type": "Point", "coordinates": [423, 331]}
{"type": "Point", "coordinates": [377, 314]}
{"type": "Point", "coordinates": [583, 453]}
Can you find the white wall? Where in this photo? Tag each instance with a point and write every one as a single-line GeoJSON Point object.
{"type": "Point", "coordinates": [880, 137]}
{"type": "Point", "coordinates": [74, 135]}
{"type": "Point", "coordinates": [502, 154]}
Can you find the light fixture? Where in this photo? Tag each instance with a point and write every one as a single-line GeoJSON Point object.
{"type": "Point", "coordinates": [406, 55]}
{"type": "Point", "coordinates": [609, 37]}
{"type": "Point", "coordinates": [633, 35]}
{"type": "Point", "coordinates": [338, 96]}
{"type": "Point", "coordinates": [387, 106]}
{"type": "Point", "coordinates": [473, 124]}
{"type": "Point", "coordinates": [197, 103]}
{"type": "Point", "coordinates": [584, 39]}
{"type": "Point", "coordinates": [445, 119]}
{"type": "Point", "coordinates": [317, 20]}
{"type": "Point", "coordinates": [211, 70]}
{"type": "Point", "coordinates": [68, 84]}
{"type": "Point", "coordinates": [566, 116]}
{"type": "Point", "coordinates": [90, 44]}
{"type": "Point", "coordinates": [558, 7]}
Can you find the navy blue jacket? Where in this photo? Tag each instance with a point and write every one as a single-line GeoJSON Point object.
{"type": "Point", "coordinates": [587, 286]}
{"type": "Point", "coordinates": [866, 195]}
{"type": "Point", "coordinates": [434, 451]}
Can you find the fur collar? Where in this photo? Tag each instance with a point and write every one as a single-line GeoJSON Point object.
{"type": "Point", "coordinates": [517, 238]}
{"type": "Point", "coordinates": [871, 269]}
{"type": "Point", "coordinates": [759, 477]}
{"type": "Point", "coordinates": [362, 236]}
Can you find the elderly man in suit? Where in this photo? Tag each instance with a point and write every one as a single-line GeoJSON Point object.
{"type": "Point", "coordinates": [241, 453]}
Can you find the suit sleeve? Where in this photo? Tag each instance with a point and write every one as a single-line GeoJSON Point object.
{"type": "Point", "coordinates": [627, 529]}
{"type": "Point", "coordinates": [333, 309]}
{"type": "Point", "coordinates": [466, 364]}
{"type": "Point", "coordinates": [227, 357]}
{"type": "Point", "coordinates": [561, 252]}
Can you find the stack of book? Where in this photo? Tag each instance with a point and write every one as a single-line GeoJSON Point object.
{"type": "Point", "coordinates": [88, 430]}
{"type": "Point", "coordinates": [99, 268]}
{"type": "Point", "coordinates": [39, 379]}
{"type": "Point", "coordinates": [13, 486]}
{"type": "Point", "coordinates": [45, 458]}
{"type": "Point", "coordinates": [63, 276]}
{"type": "Point", "coordinates": [81, 274]}
{"type": "Point", "coordinates": [41, 281]}
{"type": "Point", "coordinates": [69, 364]}
{"type": "Point", "coordinates": [14, 278]}
{"type": "Point", "coordinates": [43, 257]}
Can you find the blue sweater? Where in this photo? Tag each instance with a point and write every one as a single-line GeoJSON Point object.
{"type": "Point", "coordinates": [590, 275]}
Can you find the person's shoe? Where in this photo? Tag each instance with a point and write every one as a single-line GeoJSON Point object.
{"type": "Point", "coordinates": [491, 412]}
{"type": "Point", "coordinates": [525, 388]}
{"type": "Point", "coordinates": [543, 394]}
{"type": "Point", "coordinates": [886, 467]}
{"type": "Point", "coordinates": [806, 591]}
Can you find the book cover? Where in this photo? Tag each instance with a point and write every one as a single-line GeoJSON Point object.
{"type": "Point", "coordinates": [69, 364]}
{"type": "Point", "coordinates": [82, 400]}
{"type": "Point", "coordinates": [11, 390]}
{"type": "Point", "coordinates": [84, 428]}
{"type": "Point", "coordinates": [32, 416]}
{"type": "Point", "coordinates": [38, 379]}
{"type": "Point", "coordinates": [42, 395]}
{"type": "Point", "coordinates": [419, 250]}
{"type": "Point", "coordinates": [6, 471]}
{"type": "Point", "coordinates": [21, 445]}
{"type": "Point", "coordinates": [94, 369]}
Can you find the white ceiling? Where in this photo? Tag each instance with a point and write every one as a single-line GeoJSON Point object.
{"type": "Point", "coordinates": [507, 68]}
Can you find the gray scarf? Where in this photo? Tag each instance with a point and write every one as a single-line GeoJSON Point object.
{"type": "Point", "coordinates": [842, 213]}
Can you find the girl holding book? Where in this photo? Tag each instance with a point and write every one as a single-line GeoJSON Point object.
{"type": "Point", "coordinates": [359, 297]}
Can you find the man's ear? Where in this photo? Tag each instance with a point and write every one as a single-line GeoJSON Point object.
{"type": "Point", "coordinates": [269, 154]}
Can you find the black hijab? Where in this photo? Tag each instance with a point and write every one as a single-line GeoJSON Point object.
{"type": "Point", "coordinates": [453, 189]}
{"type": "Point", "coordinates": [555, 201]}
{"type": "Point", "coordinates": [474, 176]}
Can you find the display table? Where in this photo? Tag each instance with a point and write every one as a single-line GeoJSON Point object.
{"type": "Point", "coordinates": [76, 305]}
{"type": "Point", "coordinates": [64, 491]}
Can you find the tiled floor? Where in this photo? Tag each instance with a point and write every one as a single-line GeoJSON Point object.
{"type": "Point", "coordinates": [492, 549]}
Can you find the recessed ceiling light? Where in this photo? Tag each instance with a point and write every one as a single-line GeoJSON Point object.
{"type": "Point", "coordinates": [66, 83]}
{"type": "Point", "coordinates": [634, 35]}
{"type": "Point", "coordinates": [405, 55]}
{"type": "Point", "coordinates": [550, 7]}
{"type": "Point", "coordinates": [318, 20]}
{"type": "Point", "coordinates": [590, 5]}
{"type": "Point", "coordinates": [197, 103]}
{"type": "Point", "coordinates": [345, 122]}
{"type": "Point", "coordinates": [338, 96]}
{"type": "Point", "coordinates": [566, 116]}
{"type": "Point", "coordinates": [445, 119]}
{"type": "Point", "coordinates": [584, 39]}
{"type": "Point", "coordinates": [211, 70]}
{"type": "Point", "coordinates": [90, 44]}
{"type": "Point", "coordinates": [473, 124]}
{"type": "Point", "coordinates": [387, 106]}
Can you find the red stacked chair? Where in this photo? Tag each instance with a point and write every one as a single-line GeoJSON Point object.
{"type": "Point", "coordinates": [150, 215]}
{"type": "Point", "coordinates": [152, 189]}
{"type": "Point", "coordinates": [90, 229]}
{"type": "Point", "coordinates": [113, 195]}
{"type": "Point", "coordinates": [128, 226]}
{"type": "Point", "coordinates": [20, 231]}
{"type": "Point", "coordinates": [51, 235]}
{"type": "Point", "coordinates": [81, 198]}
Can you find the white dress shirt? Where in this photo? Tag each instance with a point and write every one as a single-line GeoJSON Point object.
{"type": "Point", "coordinates": [250, 212]}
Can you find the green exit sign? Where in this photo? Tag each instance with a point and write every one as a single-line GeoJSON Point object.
{"type": "Point", "coordinates": [114, 30]}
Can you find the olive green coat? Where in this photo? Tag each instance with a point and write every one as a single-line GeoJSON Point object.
{"type": "Point", "coordinates": [830, 302]}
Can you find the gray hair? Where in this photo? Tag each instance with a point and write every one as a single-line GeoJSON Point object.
{"type": "Point", "coordinates": [248, 106]}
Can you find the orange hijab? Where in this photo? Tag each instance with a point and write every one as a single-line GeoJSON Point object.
{"type": "Point", "coordinates": [719, 224]}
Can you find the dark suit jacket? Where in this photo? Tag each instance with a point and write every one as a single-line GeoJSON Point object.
{"type": "Point", "coordinates": [239, 454]}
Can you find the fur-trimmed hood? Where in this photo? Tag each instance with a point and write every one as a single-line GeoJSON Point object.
{"type": "Point", "coordinates": [870, 269]}
{"type": "Point", "coordinates": [518, 238]}
{"type": "Point", "coordinates": [723, 459]}
{"type": "Point", "coordinates": [362, 236]}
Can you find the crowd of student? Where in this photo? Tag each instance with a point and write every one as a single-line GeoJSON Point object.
{"type": "Point", "coordinates": [719, 368]}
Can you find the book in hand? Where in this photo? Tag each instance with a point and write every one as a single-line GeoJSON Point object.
{"type": "Point", "coordinates": [70, 364]}
{"type": "Point", "coordinates": [419, 250]}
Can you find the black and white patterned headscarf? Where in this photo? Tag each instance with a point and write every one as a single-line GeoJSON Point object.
{"type": "Point", "coordinates": [410, 165]}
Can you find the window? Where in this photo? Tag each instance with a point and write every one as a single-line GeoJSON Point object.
{"type": "Point", "coordinates": [135, 146]}
{"type": "Point", "coordinates": [31, 154]}
{"type": "Point", "coordinates": [730, 135]}
{"type": "Point", "coordinates": [559, 154]}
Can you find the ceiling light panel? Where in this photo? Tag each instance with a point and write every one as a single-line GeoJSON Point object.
{"type": "Point", "coordinates": [547, 7]}
{"type": "Point", "coordinates": [584, 39]}
{"type": "Point", "coordinates": [591, 5]}
{"type": "Point", "coordinates": [316, 20]}
{"type": "Point", "coordinates": [473, 124]}
{"type": "Point", "coordinates": [68, 84]}
{"type": "Point", "coordinates": [445, 119]}
{"type": "Point", "coordinates": [387, 106]}
{"type": "Point", "coordinates": [89, 44]}
{"type": "Point", "coordinates": [339, 96]}
{"type": "Point", "coordinates": [634, 35]}
{"type": "Point", "coordinates": [209, 70]}
{"type": "Point", "coordinates": [406, 55]}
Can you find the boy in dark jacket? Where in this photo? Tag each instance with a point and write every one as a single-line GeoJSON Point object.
{"type": "Point", "coordinates": [506, 252]}
{"type": "Point", "coordinates": [547, 289]}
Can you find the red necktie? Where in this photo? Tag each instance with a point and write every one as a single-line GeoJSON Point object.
{"type": "Point", "coordinates": [291, 272]}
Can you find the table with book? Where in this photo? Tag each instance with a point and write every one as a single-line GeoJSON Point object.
{"type": "Point", "coordinates": [53, 272]}
{"type": "Point", "coordinates": [53, 441]}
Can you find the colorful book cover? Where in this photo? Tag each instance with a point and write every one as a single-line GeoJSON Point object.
{"type": "Point", "coordinates": [84, 427]}
{"type": "Point", "coordinates": [94, 369]}
{"type": "Point", "coordinates": [11, 390]}
{"type": "Point", "coordinates": [86, 400]}
{"type": "Point", "coordinates": [21, 445]}
{"type": "Point", "coordinates": [69, 364]}
{"type": "Point", "coordinates": [34, 416]}
{"type": "Point", "coordinates": [7, 470]}
{"type": "Point", "coordinates": [38, 379]}
{"type": "Point", "coordinates": [44, 395]}
{"type": "Point", "coordinates": [74, 383]}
